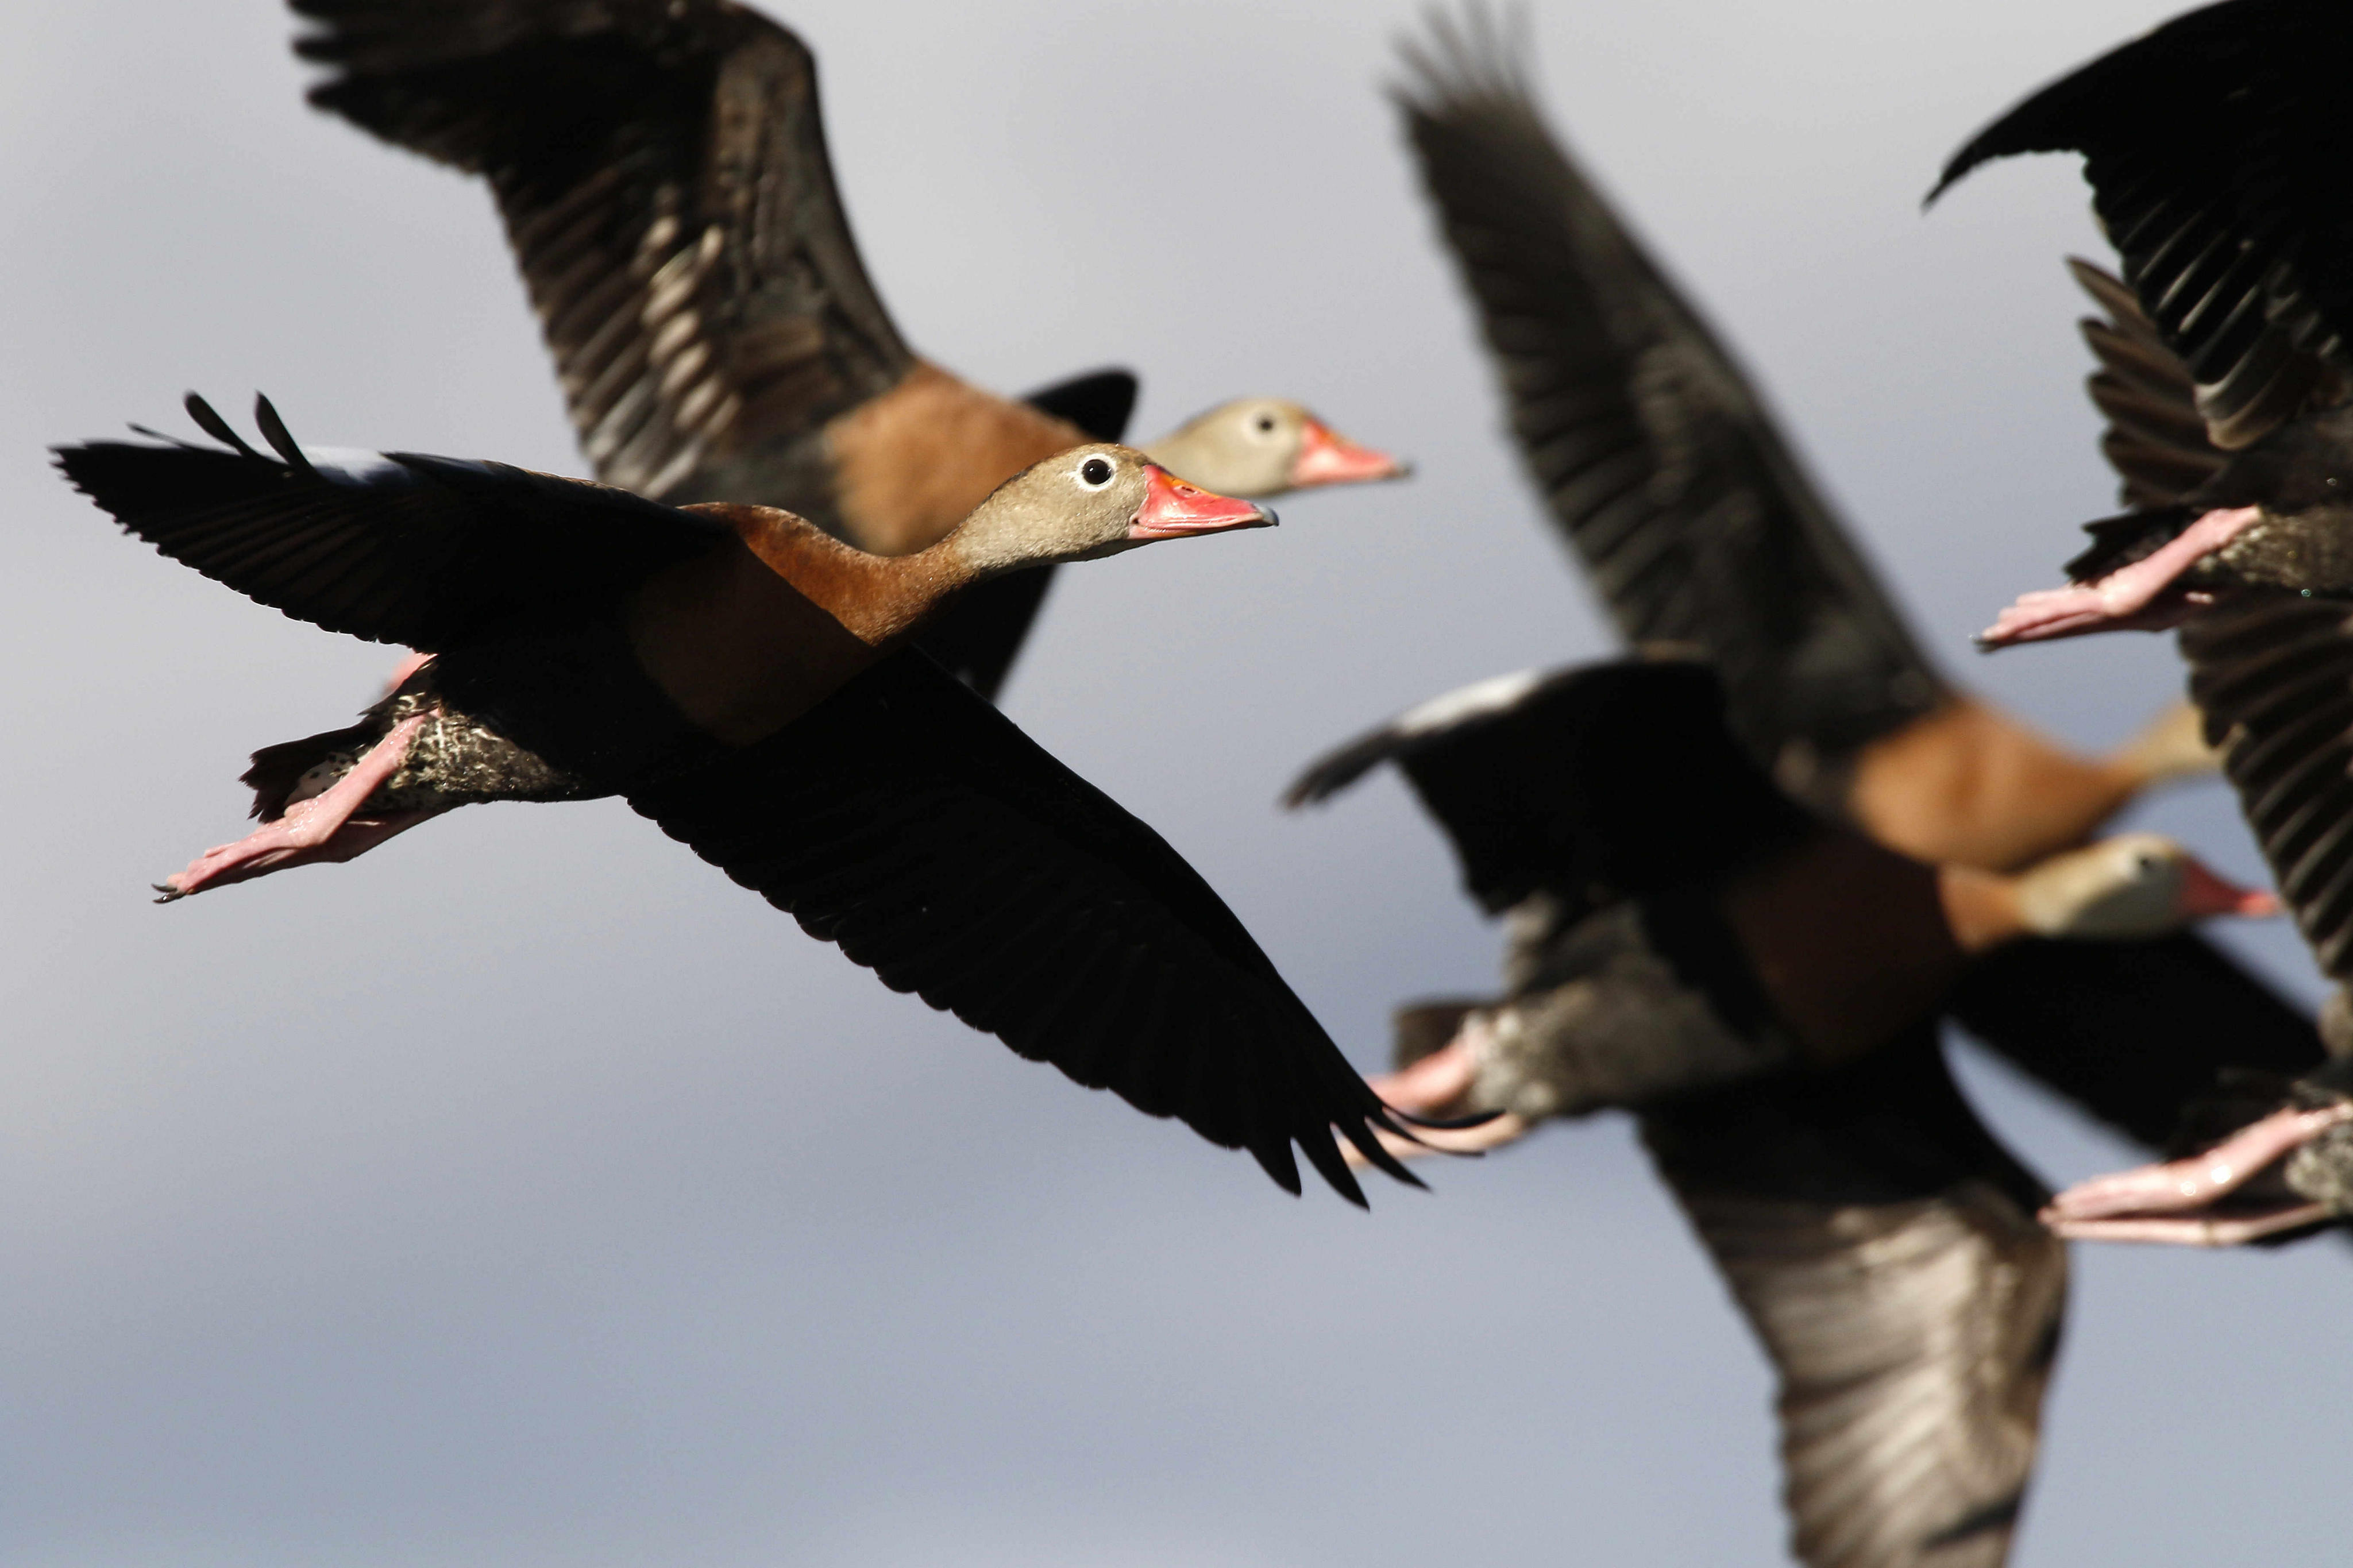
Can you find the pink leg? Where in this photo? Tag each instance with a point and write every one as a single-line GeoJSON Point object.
{"type": "Point", "coordinates": [320, 828]}
{"type": "Point", "coordinates": [1435, 1082]}
{"type": "Point", "coordinates": [2159, 1203]}
{"type": "Point", "coordinates": [1437, 1079]}
{"type": "Point", "coordinates": [2189, 1230]}
{"type": "Point", "coordinates": [403, 670]}
{"type": "Point", "coordinates": [2122, 599]}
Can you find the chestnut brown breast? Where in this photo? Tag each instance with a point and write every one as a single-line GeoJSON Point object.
{"type": "Point", "coordinates": [910, 465]}
{"type": "Point", "coordinates": [1968, 786]}
{"type": "Point", "coordinates": [1849, 942]}
{"type": "Point", "coordinates": [752, 634]}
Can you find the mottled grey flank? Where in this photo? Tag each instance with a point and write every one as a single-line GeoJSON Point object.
{"type": "Point", "coordinates": [524, 1194]}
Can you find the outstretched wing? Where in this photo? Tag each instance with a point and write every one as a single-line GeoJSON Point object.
{"type": "Point", "coordinates": [909, 822]}
{"type": "Point", "coordinates": [2134, 1033]}
{"type": "Point", "coordinates": [661, 168]}
{"type": "Point", "coordinates": [2216, 147]}
{"type": "Point", "coordinates": [1657, 458]}
{"type": "Point", "coordinates": [1590, 784]}
{"type": "Point", "coordinates": [2274, 674]}
{"type": "Point", "coordinates": [397, 547]}
{"type": "Point", "coordinates": [1884, 1249]}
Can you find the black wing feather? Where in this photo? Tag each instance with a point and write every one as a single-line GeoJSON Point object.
{"type": "Point", "coordinates": [891, 819]}
{"type": "Point", "coordinates": [2274, 674]}
{"type": "Point", "coordinates": [1590, 784]}
{"type": "Point", "coordinates": [1884, 1247]}
{"type": "Point", "coordinates": [2134, 1032]}
{"type": "Point", "coordinates": [662, 169]}
{"type": "Point", "coordinates": [2215, 146]}
{"type": "Point", "coordinates": [1658, 459]}
{"type": "Point", "coordinates": [397, 547]}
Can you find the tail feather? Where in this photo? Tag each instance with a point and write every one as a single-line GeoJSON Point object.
{"type": "Point", "coordinates": [278, 769]}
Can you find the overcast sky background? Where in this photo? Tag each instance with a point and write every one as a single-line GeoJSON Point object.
{"type": "Point", "coordinates": [526, 1194]}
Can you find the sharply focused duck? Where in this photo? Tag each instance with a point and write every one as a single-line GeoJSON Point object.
{"type": "Point", "coordinates": [742, 677]}
{"type": "Point", "coordinates": [662, 169]}
{"type": "Point", "coordinates": [2216, 147]}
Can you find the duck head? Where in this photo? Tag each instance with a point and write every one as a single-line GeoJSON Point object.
{"type": "Point", "coordinates": [1266, 446]}
{"type": "Point", "coordinates": [1092, 501]}
{"type": "Point", "coordinates": [2134, 885]}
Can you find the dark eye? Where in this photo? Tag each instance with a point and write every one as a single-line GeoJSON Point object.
{"type": "Point", "coordinates": [2147, 863]}
{"type": "Point", "coordinates": [1266, 424]}
{"type": "Point", "coordinates": [1096, 471]}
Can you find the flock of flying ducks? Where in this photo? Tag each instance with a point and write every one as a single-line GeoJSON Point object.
{"type": "Point", "coordinates": [1744, 871]}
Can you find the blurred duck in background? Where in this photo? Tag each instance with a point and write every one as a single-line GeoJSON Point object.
{"type": "Point", "coordinates": [1760, 970]}
{"type": "Point", "coordinates": [2215, 147]}
{"type": "Point", "coordinates": [1677, 493]}
{"type": "Point", "coordinates": [662, 169]}
{"type": "Point", "coordinates": [1763, 987]}
{"type": "Point", "coordinates": [742, 677]}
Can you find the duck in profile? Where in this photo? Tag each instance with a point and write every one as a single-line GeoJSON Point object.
{"type": "Point", "coordinates": [1673, 486]}
{"type": "Point", "coordinates": [1695, 522]}
{"type": "Point", "coordinates": [1768, 1005]}
{"type": "Point", "coordinates": [660, 166]}
{"type": "Point", "coordinates": [743, 678]}
{"type": "Point", "coordinates": [2212, 145]}
{"type": "Point", "coordinates": [1761, 987]}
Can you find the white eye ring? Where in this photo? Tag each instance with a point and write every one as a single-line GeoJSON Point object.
{"type": "Point", "coordinates": [1096, 472]}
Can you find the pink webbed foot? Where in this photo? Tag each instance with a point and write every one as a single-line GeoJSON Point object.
{"type": "Point", "coordinates": [2138, 597]}
{"type": "Point", "coordinates": [326, 828]}
{"type": "Point", "coordinates": [1434, 1085]}
{"type": "Point", "coordinates": [2175, 1201]}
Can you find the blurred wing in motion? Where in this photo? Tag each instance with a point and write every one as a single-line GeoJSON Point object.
{"type": "Point", "coordinates": [1591, 784]}
{"type": "Point", "coordinates": [976, 636]}
{"type": "Point", "coordinates": [2216, 147]}
{"type": "Point", "coordinates": [909, 823]}
{"type": "Point", "coordinates": [2134, 1032]}
{"type": "Point", "coordinates": [1884, 1249]}
{"type": "Point", "coordinates": [397, 547]}
{"type": "Point", "coordinates": [1657, 458]}
{"type": "Point", "coordinates": [662, 171]}
{"type": "Point", "coordinates": [2274, 674]}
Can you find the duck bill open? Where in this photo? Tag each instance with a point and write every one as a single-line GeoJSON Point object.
{"type": "Point", "coordinates": [1175, 510]}
{"type": "Point", "coordinates": [1327, 458]}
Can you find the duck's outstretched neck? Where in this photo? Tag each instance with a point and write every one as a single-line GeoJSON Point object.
{"type": "Point", "coordinates": [2170, 746]}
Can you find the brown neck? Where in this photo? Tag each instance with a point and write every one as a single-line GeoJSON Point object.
{"type": "Point", "coordinates": [750, 636]}
{"type": "Point", "coordinates": [1967, 785]}
{"type": "Point", "coordinates": [1981, 908]}
{"type": "Point", "coordinates": [1850, 941]}
{"type": "Point", "coordinates": [909, 465]}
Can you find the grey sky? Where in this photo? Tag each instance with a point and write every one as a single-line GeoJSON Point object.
{"type": "Point", "coordinates": [525, 1194]}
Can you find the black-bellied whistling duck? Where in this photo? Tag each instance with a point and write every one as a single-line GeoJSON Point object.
{"type": "Point", "coordinates": [1673, 486]}
{"type": "Point", "coordinates": [1696, 523]}
{"type": "Point", "coordinates": [740, 675]}
{"type": "Point", "coordinates": [1762, 987]}
{"type": "Point", "coordinates": [796, 609]}
{"type": "Point", "coordinates": [662, 169]}
{"type": "Point", "coordinates": [2213, 147]}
